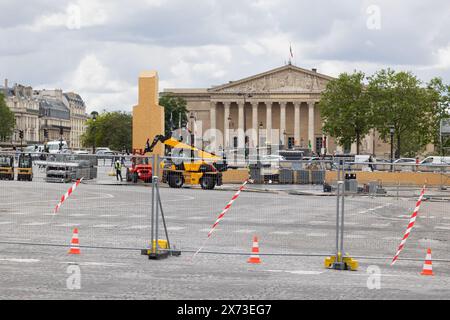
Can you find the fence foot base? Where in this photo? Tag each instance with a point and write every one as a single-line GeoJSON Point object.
{"type": "Point", "coordinates": [346, 263]}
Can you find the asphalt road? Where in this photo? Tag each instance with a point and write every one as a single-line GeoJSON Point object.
{"type": "Point", "coordinates": [118, 217]}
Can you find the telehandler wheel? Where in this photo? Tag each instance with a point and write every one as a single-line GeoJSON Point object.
{"type": "Point", "coordinates": [176, 181]}
{"type": "Point", "coordinates": [135, 177]}
{"type": "Point", "coordinates": [207, 183]}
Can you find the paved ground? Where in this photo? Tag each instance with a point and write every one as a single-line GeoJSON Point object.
{"type": "Point", "coordinates": [119, 217]}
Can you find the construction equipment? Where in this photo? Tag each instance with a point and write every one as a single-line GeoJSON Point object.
{"type": "Point", "coordinates": [60, 172]}
{"type": "Point", "coordinates": [25, 168]}
{"type": "Point", "coordinates": [6, 167]}
{"type": "Point", "coordinates": [140, 169]}
{"type": "Point", "coordinates": [200, 168]}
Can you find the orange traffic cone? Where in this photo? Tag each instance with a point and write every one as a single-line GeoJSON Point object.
{"type": "Point", "coordinates": [75, 243]}
{"type": "Point", "coordinates": [427, 267]}
{"type": "Point", "coordinates": [254, 258]}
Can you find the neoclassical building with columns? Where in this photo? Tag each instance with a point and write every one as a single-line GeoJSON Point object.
{"type": "Point", "coordinates": [279, 106]}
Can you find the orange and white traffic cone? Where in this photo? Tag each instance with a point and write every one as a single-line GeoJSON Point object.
{"type": "Point", "coordinates": [75, 243]}
{"type": "Point", "coordinates": [254, 258]}
{"type": "Point", "coordinates": [427, 266]}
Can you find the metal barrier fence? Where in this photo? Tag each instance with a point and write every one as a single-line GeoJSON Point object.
{"type": "Point", "coordinates": [290, 205]}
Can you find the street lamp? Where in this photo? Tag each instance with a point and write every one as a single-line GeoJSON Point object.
{"type": "Point", "coordinates": [392, 131]}
{"type": "Point", "coordinates": [260, 127]}
{"type": "Point", "coordinates": [61, 133]}
{"type": "Point", "coordinates": [94, 115]}
{"type": "Point", "coordinates": [192, 124]}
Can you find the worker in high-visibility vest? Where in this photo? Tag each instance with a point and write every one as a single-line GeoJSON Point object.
{"type": "Point", "coordinates": [118, 167]}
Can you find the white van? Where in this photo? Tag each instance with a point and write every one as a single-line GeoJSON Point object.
{"type": "Point", "coordinates": [435, 160]}
{"type": "Point", "coordinates": [53, 146]}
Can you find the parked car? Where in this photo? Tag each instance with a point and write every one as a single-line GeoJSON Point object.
{"type": "Point", "coordinates": [81, 152]}
{"type": "Point", "coordinates": [405, 160]}
{"type": "Point", "coordinates": [435, 161]}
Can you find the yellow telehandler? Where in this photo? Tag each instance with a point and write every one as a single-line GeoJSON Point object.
{"type": "Point", "coordinates": [200, 167]}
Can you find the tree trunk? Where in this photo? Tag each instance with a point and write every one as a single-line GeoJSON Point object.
{"type": "Point", "coordinates": [358, 137]}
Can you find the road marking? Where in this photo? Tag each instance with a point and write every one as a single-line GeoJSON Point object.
{"type": "Point", "coordinates": [107, 196]}
{"type": "Point", "coordinates": [355, 236]}
{"type": "Point", "coordinates": [380, 225]}
{"type": "Point", "coordinates": [351, 223]}
{"type": "Point", "coordinates": [299, 272]}
{"type": "Point", "coordinates": [21, 260]}
{"type": "Point", "coordinates": [442, 228]}
{"type": "Point", "coordinates": [317, 235]}
{"type": "Point", "coordinates": [137, 216]}
{"type": "Point", "coordinates": [5, 222]}
{"type": "Point", "coordinates": [77, 215]}
{"type": "Point", "coordinates": [108, 216]}
{"type": "Point", "coordinates": [138, 227]}
{"type": "Point", "coordinates": [404, 216]}
{"type": "Point", "coordinates": [282, 233]}
{"type": "Point", "coordinates": [175, 228]}
{"type": "Point", "coordinates": [446, 218]}
{"type": "Point", "coordinates": [35, 224]}
{"type": "Point", "coordinates": [318, 222]}
{"type": "Point", "coordinates": [105, 226]}
{"type": "Point", "coordinates": [65, 225]}
{"type": "Point", "coordinates": [17, 213]}
{"type": "Point", "coordinates": [195, 218]}
{"type": "Point", "coordinates": [392, 238]}
{"type": "Point", "coordinates": [97, 264]}
{"type": "Point", "coordinates": [246, 231]}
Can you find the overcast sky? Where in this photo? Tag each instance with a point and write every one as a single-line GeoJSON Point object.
{"type": "Point", "coordinates": [98, 47]}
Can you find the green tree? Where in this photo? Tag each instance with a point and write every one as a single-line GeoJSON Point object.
{"type": "Point", "coordinates": [345, 109]}
{"type": "Point", "coordinates": [439, 95]}
{"type": "Point", "coordinates": [399, 101]}
{"type": "Point", "coordinates": [173, 108]}
{"type": "Point", "coordinates": [7, 120]}
{"type": "Point", "coordinates": [111, 129]}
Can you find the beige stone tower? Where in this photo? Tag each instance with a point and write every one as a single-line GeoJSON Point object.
{"type": "Point", "coordinates": [148, 115]}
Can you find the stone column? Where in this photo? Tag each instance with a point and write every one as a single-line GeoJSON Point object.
{"type": "Point", "coordinates": [255, 123]}
{"type": "Point", "coordinates": [311, 128]}
{"type": "Point", "coordinates": [283, 122]}
{"type": "Point", "coordinates": [297, 123]}
{"type": "Point", "coordinates": [226, 124]}
{"type": "Point", "coordinates": [212, 115]}
{"type": "Point", "coordinates": [269, 122]}
{"type": "Point", "coordinates": [241, 134]}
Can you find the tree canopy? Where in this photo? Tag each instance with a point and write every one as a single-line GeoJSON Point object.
{"type": "Point", "coordinates": [7, 120]}
{"type": "Point", "coordinates": [345, 109]}
{"type": "Point", "coordinates": [399, 101]}
{"type": "Point", "coordinates": [390, 100]}
{"type": "Point", "coordinates": [110, 129]}
{"type": "Point", "coordinates": [174, 107]}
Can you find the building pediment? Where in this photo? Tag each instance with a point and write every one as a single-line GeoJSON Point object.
{"type": "Point", "coordinates": [289, 79]}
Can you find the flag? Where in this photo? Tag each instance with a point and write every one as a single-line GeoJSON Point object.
{"type": "Point", "coordinates": [290, 49]}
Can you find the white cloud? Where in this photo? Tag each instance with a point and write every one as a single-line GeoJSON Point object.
{"type": "Point", "coordinates": [77, 15]}
{"type": "Point", "coordinates": [201, 43]}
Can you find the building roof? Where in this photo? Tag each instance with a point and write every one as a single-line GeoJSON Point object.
{"type": "Point", "coordinates": [53, 108]}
